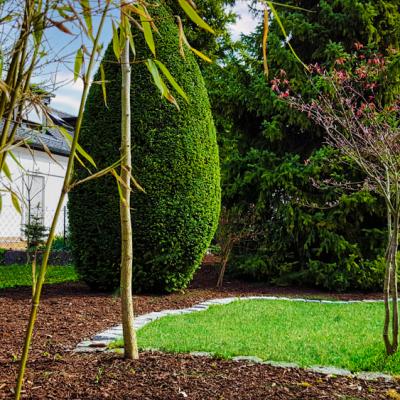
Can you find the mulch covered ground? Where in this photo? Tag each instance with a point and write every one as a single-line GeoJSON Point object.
{"type": "Point", "coordinates": [70, 312]}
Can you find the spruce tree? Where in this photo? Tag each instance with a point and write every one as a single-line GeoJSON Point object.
{"type": "Point", "coordinates": [271, 155]}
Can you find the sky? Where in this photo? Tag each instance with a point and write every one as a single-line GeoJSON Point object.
{"type": "Point", "coordinates": [67, 96]}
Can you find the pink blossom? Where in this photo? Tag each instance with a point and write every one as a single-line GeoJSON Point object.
{"type": "Point", "coordinates": [358, 45]}
{"type": "Point", "coordinates": [284, 94]}
{"type": "Point", "coordinates": [340, 60]}
{"type": "Point", "coordinates": [341, 75]}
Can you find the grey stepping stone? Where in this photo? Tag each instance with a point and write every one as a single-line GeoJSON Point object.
{"type": "Point", "coordinates": [372, 301]}
{"type": "Point", "coordinates": [84, 343]}
{"type": "Point", "coordinates": [252, 359]}
{"type": "Point", "coordinates": [87, 350]}
{"type": "Point", "coordinates": [201, 354]}
{"type": "Point", "coordinates": [330, 370]}
{"type": "Point", "coordinates": [371, 376]}
{"type": "Point", "coordinates": [193, 309]}
{"type": "Point", "coordinates": [282, 364]}
{"type": "Point", "coordinates": [106, 338]}
{"type": "Point", "coordinates": [228, 300]}
{"type": "Point", "coordinates": [99, 343]}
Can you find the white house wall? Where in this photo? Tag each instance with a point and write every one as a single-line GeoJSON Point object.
{"type": "Point", "coordinates": [36, 163]}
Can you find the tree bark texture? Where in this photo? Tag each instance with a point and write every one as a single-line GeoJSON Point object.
{"type": "Point", "coordinates": [130, 341]}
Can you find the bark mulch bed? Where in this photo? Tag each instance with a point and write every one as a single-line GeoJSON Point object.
{"type": "Point", "coordinates": [71, 312]}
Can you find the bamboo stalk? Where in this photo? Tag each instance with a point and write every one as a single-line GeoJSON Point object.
{"type": "Point", "coordinates": [68, 175]}
{"type": "Point", "coordinates": [14, 75]}
{"type": "Point", "coordinates": [129, 334]}
{"type": "Point", "coordinates": [10, 138]}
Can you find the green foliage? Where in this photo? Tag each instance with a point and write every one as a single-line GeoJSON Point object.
{"type": "Point", "coordinates": [175, 159]}
{"type": "Point", "coordinates": [21, 275]}
{"type": "Point", "coordinates": [61, 243]}
{"type": "Point", "coordinates": [34, 231]}
{"type": "Point", "coordinates": [2, 255]}
{"type": "Point", "coordinates": [341, 335]}
{"type": "Point", "coordinates": [214, 249]}
{"type": "Point", "coordinates": [275, 158]}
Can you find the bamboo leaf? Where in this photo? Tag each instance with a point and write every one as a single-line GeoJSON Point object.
{"type": "Point", "coordinates": [182, 37]}
{"type": "Point", "coordinates": [79, 148]}
{"type": "Point", "coordinates": [103, 84]}
{"type": "Point", "coordinates": [60, 26]}
{"type": "Point", "coordinates": [115, 41]}
{"type": "Point", "coordinates": [136, 184]}
{"type": "Point", "coordinates": [278, 20]}
{"type": "Point", "coordinates": [117, 179]}
{"type": "Point", "coordinates": [290, 6]}
{"type": "Point", "coordinates": [200, 54]}
{"type": "Point", "coordinates": [97, 174]}
{"type": "Point", "coordinates": [160, 83]}
{"type": "Point", "coordinates": [15, 159]}
{"type": "Point", "coordinates": [48, 152]}
{"type": "Point", "coordinates": [87, 15]}
{"type": "Point", "coordinates": [192, 14]}
{"type": "Point", "coordinates": [4, 88]}
{"type": "Point", "coordinates": [78, 63]}
{"type": "Point", "coordinates": [131, 42]}
{"type": "Point", "coordinates": [6, 171]}
{"type": "Point", "coordinates": [152, 67]}
{"type": "Point", "coordinates": [147, 32]}
{"type": "Point", "coordinates": [82, 163]}
{"type": "Point", "coordinates": [156, 77]}
{"type": "Point", "coordinates": [265, 40]}
{"type": "Point", "coordinates": [171, 79]}
{"type": "Point", "coordinates": [85, 155]}
{"type": "Point", "coordinates": [135, 10]}
{"type": "Point", "coordinates": [15, 202]}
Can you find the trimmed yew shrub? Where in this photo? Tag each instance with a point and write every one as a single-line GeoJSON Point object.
{"type": "Point", "coordinates": [175, 159]}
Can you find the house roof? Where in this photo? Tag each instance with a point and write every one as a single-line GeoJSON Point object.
{"type": "Point", "coordinates": [49, 136]}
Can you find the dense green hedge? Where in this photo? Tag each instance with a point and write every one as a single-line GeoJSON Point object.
{"type": "Point", "coordinates": [175, 158]}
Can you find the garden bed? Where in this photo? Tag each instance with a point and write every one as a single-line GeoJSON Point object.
{"type": "Point", "coordinates": [70, 313]}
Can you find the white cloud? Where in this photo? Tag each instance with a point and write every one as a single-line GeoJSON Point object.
{"type": "Point", "coordinates": [66, 80]}
{"type": "Point", "coordinates": [68, 103]}
{"type": "Point", "coordinates": [245, 23]}
{"type": "Point", "coordinates": [68, 93]}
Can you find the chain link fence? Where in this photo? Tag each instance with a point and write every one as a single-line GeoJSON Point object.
{"type": "Point", "coordinates": [13, 225]}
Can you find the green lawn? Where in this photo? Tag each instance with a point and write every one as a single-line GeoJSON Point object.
{"type": "Point", "coordinates": [342, 335]}
{"type": "Point", "coordinates": [21, 275]}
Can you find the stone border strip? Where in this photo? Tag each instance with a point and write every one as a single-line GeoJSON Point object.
{"type": "Point", "coordinates": [100, 342]}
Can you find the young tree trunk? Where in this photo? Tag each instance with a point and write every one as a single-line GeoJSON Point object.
{"type": "Point", "coordinates": [131, 348]}
{"type": "Point", "coordinates": [394, 292]}
{"type": "Point", "coordinates": [225, 257]}
{"type": "Point", "coordinates": [390, 289]}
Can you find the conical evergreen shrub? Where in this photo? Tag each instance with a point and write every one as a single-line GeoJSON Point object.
{"type": "Point", "coordinates": [175, 159]}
